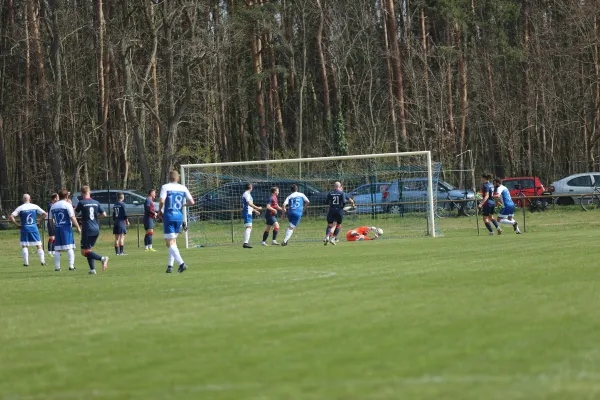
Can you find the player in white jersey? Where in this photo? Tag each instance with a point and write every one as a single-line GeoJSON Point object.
{"type": "Point", "coordinates": [297, 202]}
{"type": "Point", "coordinates": [173, 196]}
{"type": "Point", "coordinates": [248, 208]}
{"type": "Point", "coordinates": [30, 236]}
{"type": "Point", "coordinates": [62, 218]}
{"type": "Point", "coordinates": [506, 216]}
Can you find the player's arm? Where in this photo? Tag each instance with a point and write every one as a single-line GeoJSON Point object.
{"type": "Point", "coordinates": [71, 212]}
{"type": "Point", "coordinates": [348, 199]}
{"type": "Point", "coordinates": [101, 212]}
{"type": "Point", "coordinates": [12, 216]}
{"type": "Point", "coordinates": [285, 203]}
{"type": "Point", "coordinates": [306, 202]}
{"type": "Point", "coordinates": [485, 198]}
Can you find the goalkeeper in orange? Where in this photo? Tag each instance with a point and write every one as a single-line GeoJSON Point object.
{"type": "Point", "coordinates": [360, 234]}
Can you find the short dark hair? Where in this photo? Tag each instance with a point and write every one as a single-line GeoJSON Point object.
{"type": "Point", "coordinates": [486, 176]}
{"type": "Point", "coordinates": [248, 186]}
{"type": "Point", "coordinates": [294, 187]}
{"type": "Point", "coordinates": [63, 194]}
{"type": "Point", "coordinates": [150, 191]}
{"type": "Point", "coordinates": [274, 189]}
{"type": "Point", "coordinates": [498, 180]}
{"type": "Point", "coordinates": [53, 196]}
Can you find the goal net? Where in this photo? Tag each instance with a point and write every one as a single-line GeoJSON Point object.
{"type": "Point", "coordinates": [394, 191]}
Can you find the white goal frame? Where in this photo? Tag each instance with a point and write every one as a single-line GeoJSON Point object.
{"type": "Point", "coordinates": [431, 211]}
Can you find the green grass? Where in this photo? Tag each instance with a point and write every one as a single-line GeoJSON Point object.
{"type": "Point", "coordinates": [459, 317]}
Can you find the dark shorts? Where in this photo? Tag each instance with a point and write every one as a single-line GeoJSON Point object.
{"type": "Point", "coordinates": [487, 211]}
{"type": "Point", "coordinates": [271, 219]}
{"type": "Point", "coordinates": [50, 230]}
{"type": "Point", "coordinates": [88, 240]}
{"type": "Point", "coordinates": [148, 223]}
{"type": "Point", "coordinates": [335, 216]}
{"type": "Point", "coordinates": [120, 228]}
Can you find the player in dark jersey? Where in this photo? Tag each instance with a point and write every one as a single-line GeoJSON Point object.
{"type": "Point", "coordinates": [271, 216]}
{"type": "Point", "coordinates": [120, 224]}
{"type": "Point", "coordinates": [488, 204]}
{"type": "Point", "coordinates": [336, 200]}
{"type": "Point", "coordinates": [51, 234]}
{"type": "Point", "coordinates": [149, 217]}
{"type": "Point", "coordinates": [90, 210]}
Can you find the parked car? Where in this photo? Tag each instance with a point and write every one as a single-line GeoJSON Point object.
{"type": "Point", "coordinates": [225, 201]}
{"type": "Point", "coordinates": [527, 185]}
{"type": "Point", "coordinates": [134, 201]}
{"type": "Point", "coordinates": [412, 192]}
{"type": "Point", "coordinates": [574, 187]}
{"type": "Point", "coordinates": [369, 197]}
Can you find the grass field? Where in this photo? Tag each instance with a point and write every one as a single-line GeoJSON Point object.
{"type": "Point", "coordinates": [458, 317]}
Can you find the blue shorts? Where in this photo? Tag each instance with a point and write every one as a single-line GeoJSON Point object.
{"type": "Point", "coordinates": [247, 219]}
{"type": "Point", "coordinates": [507, 211]}
{"type": "Point", "coordinates": [271, 219]}
{"type": "Point", "coordinates": [294, 219]}
{"type": "Point", "coordinates": [30, 238]}
{"type": "Point", "coordinates": [171, 228]}
{"type": "Point", "coordinates": [88, 240]}
{"type": "Point", "coordinates": [120, 228]}
{"type": "Point", "coordinates": [488, 210]}
{"type": "Point", "coordinates": [50, 229]}
{"type": "Point", "coordinates": [148, 223]}
{"type": "Point", "coordinates": [64, 239]}
{"type": "Point", "coordinates": [335, 215]}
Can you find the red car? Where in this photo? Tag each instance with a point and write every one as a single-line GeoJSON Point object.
{"type": "Point", "coordinates": [524, 186]}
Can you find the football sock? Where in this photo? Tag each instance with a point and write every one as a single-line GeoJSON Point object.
{"type": "Point", "coordinates": [121, 249]}
{"type": "Point", "coordinates": [91, 263]}
{"type": "Point", "coordinates": [171, 258]}
{"type": "Point", "coordinates": [327, 232]}
{"type": "Point", "coordinates": [25, 254]}
{"type": "Point", "coordinates": [150, 240]}
{"type": "Point", "coordinates": [94, 256]}
{"type": "Point", "coordinates": [507, 222]}
{"type": "Point", "coordinates": [275, 232]}
{"type": "Point", "coordinates": [146, 240]}
{"type": "Point", "coordinates": [336, 232]}
{"type": "Point", "coordinates": [50, 243]}
{"type": "Point", "coordinates": [176, 255]}
{"type": "Point", "coordinates": [42, 256]}
{"type": "Point", "coordinates": [288, 234]}
{"type": "Point", "coordinates": [57, 260]}
{"type": "Point", "coordinates": [265, 236]}
{"type": "Point", "coordinates": [247, 235]}
{"type": "Point", "coordinates": [71, 256]}
{"type": "Point", "coordinates": [489, 227]}
{"type": "Point", "coordinates": [495, 224]}
{"type": "Point", "coordinates": [117, 250]}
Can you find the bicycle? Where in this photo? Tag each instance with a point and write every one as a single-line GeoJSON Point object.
{"type": "Point", "coordinates": [535, 204]}
{"type": "Point", "coordinates": [464, 206]}
{"type": "Point", "coordinates": [588, 203]}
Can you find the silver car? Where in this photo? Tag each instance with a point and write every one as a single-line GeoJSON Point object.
{"type": "Point", "coordinates": [573, 187]}
{"type": "Point", "coordinates": [134, 201]}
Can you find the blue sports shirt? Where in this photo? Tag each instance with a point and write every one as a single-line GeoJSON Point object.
{"type": "Point", "coordinates": [89, 209]}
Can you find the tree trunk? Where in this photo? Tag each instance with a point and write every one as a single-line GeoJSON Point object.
{"type": "Point", "coordinates": [256, 48]}
{"type": "Point", "coordinates": [323, 71]}
{"type": "Point", "coordinates": [464, 100]}
{"type": "Point", "coordinates": [275, 97]}
{"type": "Point", "coordinates": [100, 27]}
{"type": "Point", "coordinates": [390, 88]}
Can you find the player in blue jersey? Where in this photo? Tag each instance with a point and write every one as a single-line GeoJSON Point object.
{"type": "Point", "coordinates": [506, 216]}
{"type": "Point", "coordinates": [30, 236]}
{"type": "Point", "coordinates": [336, 200]}
{"type": "Point", "coordinates": [90, 210]}
{"type": "Point", "coordinates": [120, 224]}
{"type": "Point", "coordinates": [297, 202]}
{"type": "Point", "coordinates": [488, 204]}
{"type": "Point", "coordinates": [149, 217]}
{"type": "Point", "coordinates": [51, 238]}
{"type": "Point", "coordinates": [62, 218]}
{"type": "Point", "coordinates": [271, 217]}
{"type": "Point", "coordinates": [173, 196]}
{"type": "Point", "coordinates": [248, 208]}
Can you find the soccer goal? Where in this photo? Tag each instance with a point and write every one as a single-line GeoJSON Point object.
{"type": "Point", "coordinates": [394, 191]}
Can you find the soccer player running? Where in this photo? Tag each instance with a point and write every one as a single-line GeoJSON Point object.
{"type": "Point", "coordinates": [336, 200]}
{"type": "Point", "coordinates": [120, 224]}
{"type": "Point", "coordinates": [361, 233]}
{"type": "Point", "coordinates": [248, 208]}
{"type": "Point", "coordinates": [172, 200]}
{"type": "Point", "coordinates": [51, 238]}
{"type": "Point", "coordinates": [296, 201]}
{"type": "Point", "coordinates": [149, 217]}
{"type": "Point", "coordinates": [62, 216]}
{"type": "Point", "coordinates": [271, 217]}
{"type": "Point", "coordinates": [30, 235]}
{"type": "Point", "coordinates": [507, 213]}
{"type": "Point", "coordinates": [90, 210]}
{"type": "Point", "coordinates": [488, 204]}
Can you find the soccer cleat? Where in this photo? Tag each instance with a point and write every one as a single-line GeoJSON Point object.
{"type": "Point", "coordinates": [146, 250]}
{"type": "Point", "coordinates": [104, 263]}
{"type": "Point", "coordinates": [263, 244]}
{"type": "Point", "coordinates": [44, 264]}
{"type": "Point", "coordinates": [181, 268]}
{"type": "Point", "coordinates": [325, 241]}
{"type": "Point", "coordinates": [56, 269]}
{"type": "Point", "coordinates": [92, 272]}
{"type": "Point", "coordinates": [71, 268]}
{"type": "Point", "coordinates": [169, 270]}
{"type": "Point", "coordinates": [332, 241]}
{"type": "Point", "coordinates": [499, 231]}
{"type": "Point", "coordinates": [275, 243]}
{"type": "Point", "coordinates": [26, 265]}
{"type": "Point", "coordinates": [246, 246]}
{"type": "Point", "coordinates": [152, 249]}
{"type": "Point", "coordinates": [122, 254]}
{"type": "Point", "coordinates": [491, 233]}
{"type": "Point", "coordinates": [284, 244]}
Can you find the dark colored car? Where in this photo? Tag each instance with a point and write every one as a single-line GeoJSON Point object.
{"type": "Point", "coordinates": [225, 202]}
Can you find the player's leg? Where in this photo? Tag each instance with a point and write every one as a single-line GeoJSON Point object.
{"type": "Point", "coordinates": [338, 226]}
{"type": "Point", "coordinates": [486, 220]}
{"type": "Point", "coordinates": [51, 239]}
{"type": "Point", "coordinates": [294, 221]}
{"type": "Point", "coordinates": [266, 234]}
{"type": "Point", "coordinates": [171, 241]}
{"type": "Point", "coordinates": [25, 255]}
{"type": "Point", "coordinates": [169, 234]}
{"type": "Point", "coordinates": [247, 231]}
{"type": "Point", "coordinates": [41, 254]}
{"type": "Point", "coordinates": [275, 233]}
{"type": "Point", "coordinates": [122, 233]}
{"type": "Point", "coordinates": [115, 232]}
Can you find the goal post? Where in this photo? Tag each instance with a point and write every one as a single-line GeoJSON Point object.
{"type": "Point", "coordinates": [394, 191]}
